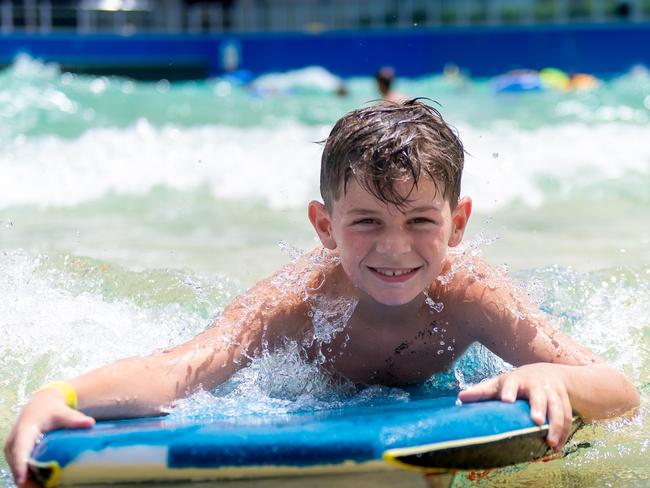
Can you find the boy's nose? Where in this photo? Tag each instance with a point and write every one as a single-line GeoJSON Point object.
{"type": "Point", "coordinates": [394, 243]}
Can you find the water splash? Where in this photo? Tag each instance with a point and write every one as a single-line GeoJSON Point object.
{"type": "Point", "coordinates": [290, 250]}
{"type": "Point", "coordinates": [329, 316]}
{"type": "Point", "coordinates": [437, 307]}
{"type": "Point", "coordinates": [63, 316]}
{"type": "Point", "coordinates": [280, 383]}
{"type": "Point", "coordinates": [465, 258]}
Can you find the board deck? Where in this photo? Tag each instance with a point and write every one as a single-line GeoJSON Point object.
{"type": "Point", "coordinates": [429, 435]}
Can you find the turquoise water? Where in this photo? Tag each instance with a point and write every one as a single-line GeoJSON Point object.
{"type": "Point", "coordinates": [130, 213]}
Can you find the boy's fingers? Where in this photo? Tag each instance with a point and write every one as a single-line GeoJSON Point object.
{"type": "Point", "coordinates": [509, 389]}
{"type": "Point", "coordinates": [22, 447]}
{"type": "Point", "coordinates": [84, 422]}
{"type": "Point", "coordinates": [76, 420]}
{"type": "Point", "coordinates": [482, 391]}
{"type": "Point", "coordinates": [568, 419]}
{"type": "Point", "coordinates": [68, 418]}
{"type": "Point", "coordinates": [556, 421]}
{"type": "Point", "coordinates": [538, 406]}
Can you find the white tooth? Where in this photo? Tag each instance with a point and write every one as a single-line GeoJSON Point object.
{"type": "Point", "coordinates": [393, 272]}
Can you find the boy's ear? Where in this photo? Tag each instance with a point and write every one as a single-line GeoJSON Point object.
{"type": "Point", "coordinates": [320, 218]}
{"type": "Point", "coordinates": [459, 219]}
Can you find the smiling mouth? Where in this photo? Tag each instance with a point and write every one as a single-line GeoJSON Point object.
{"type": "Point", "coordinates": [394, 274]}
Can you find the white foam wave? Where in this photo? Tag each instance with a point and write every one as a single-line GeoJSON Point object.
{"type": "Point", "coordinates": [281, 165]}
{"type": "Point", "coordinates": [47, 332]}
{"type": "Point", "coordinates": [506, 164]}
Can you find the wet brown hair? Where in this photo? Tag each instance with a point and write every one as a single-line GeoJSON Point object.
{"type": "Point", "coordinates": [390, 142]}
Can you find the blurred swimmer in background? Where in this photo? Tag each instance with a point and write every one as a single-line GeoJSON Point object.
{"type": "Point", "coordinates": [385, 78]}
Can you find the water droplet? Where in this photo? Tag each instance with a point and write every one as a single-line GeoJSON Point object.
{"type": "Point", "coordinates": [440, 352]}
{"type": "Point", "coordinates": [433, 305]}
{"type": "Point", "coordinates": [290, 250]}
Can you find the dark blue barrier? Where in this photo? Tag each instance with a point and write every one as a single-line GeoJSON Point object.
{"type": "Point", "coordinates": [483, 51]}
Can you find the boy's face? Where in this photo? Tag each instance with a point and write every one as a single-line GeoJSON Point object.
{"type": "Point", "coordinates": [392, 254]}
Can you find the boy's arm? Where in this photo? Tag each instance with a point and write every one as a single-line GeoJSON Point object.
{"type": "Point", "coordinates": [138, 386]}
{"type": "Point", "coordinates": [557, 375]}
{"type": "Point", "coordinates": [144, 386]}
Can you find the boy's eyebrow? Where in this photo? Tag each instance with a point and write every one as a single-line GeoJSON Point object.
{"type": "Point", "coordinates": [362, 211]}
{"type": "Point", "coordinates": [424, 209]}
{"type": "Point", "coordinates": [367, 211]}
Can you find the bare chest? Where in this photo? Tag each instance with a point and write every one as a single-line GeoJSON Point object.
{"type": "Point", "coordinates": [394, 356]}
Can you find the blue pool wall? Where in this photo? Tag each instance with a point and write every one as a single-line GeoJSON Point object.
{"type": "Point", "coordinates": [482, 51]}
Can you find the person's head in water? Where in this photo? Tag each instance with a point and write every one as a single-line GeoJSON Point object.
{"type": "Point", "coordinates": [384, 78]}
{"type": "Point", "coordinates": [390, 182]}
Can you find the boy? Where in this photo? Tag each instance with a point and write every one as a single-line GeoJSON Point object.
{"type": "Point", "coordinates": [383, 301]}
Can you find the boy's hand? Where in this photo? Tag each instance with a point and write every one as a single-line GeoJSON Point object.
{"type": "Point", "coordinates": [46, 411]}
{"type": "Point", "coordinates": [544, 386]}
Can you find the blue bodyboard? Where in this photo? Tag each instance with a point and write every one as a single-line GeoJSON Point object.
{"type": "Point", "coordinates": [431, 435]}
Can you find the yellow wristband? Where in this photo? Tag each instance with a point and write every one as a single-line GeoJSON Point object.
{"type": "Point", "coordinates": [68, 391]}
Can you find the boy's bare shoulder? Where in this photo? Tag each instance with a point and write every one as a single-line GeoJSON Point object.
{"type": "Point", "coordinates": [465, 279]}
{"type": "Point", "coordinates": [473, 292]}
{"type": "Point", "coordinates": [280, 302]}
{"type": "Point", "coordinates": [496, 311]}
{"type": "Point", "coordinates": [312, 273]}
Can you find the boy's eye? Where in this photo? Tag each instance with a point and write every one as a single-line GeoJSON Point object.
{"type": "Point", "coordinates": [422, 220]}
{"type": "Point", "coordinates": [366, 221]}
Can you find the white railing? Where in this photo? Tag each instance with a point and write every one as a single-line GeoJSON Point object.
{"type": "Point", "coordinates": [175, 16]}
